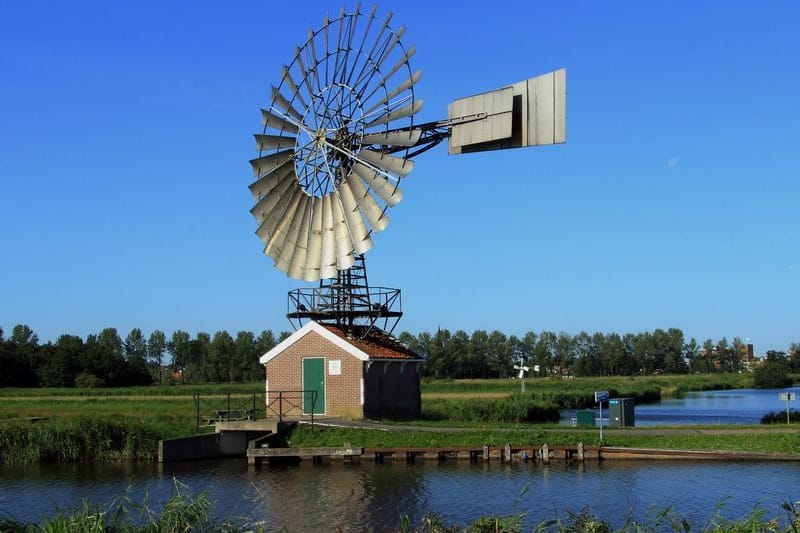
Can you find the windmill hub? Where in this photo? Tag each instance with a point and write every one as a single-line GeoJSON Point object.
{"type": "Point", "coordinates": [320, 139]}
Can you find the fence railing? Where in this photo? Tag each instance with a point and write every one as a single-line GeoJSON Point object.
{"type": "Point", "coordinates": [292, 403]}
{"type": "Point", "coordinates": [227, 407]}
{"type": "Point", "coordinates": [211, 408]}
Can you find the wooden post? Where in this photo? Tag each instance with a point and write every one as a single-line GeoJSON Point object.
{"type": "Point", "coordinates": [485, 452]}
{"type": "Point", "coordinates": [546, 453]}
{"type": "Point", "coordinates": [580, 452]}
{"type": "Point", "coordinates": [507, 453]}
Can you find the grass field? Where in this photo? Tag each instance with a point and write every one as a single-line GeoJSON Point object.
{"type": "Point", "coordinates": [171, 411]}
{"type": "Point", "coordinates": [668, 385]}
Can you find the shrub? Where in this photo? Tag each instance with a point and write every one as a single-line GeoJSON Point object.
{"type": "Point", "coordinates": [87, 380]}
{"type": "Point", "coordinates": [779, 417]}
{"type": "Point", "coordinates": [772, 375]}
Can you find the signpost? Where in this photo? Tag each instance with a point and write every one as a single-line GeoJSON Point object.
{"type": "Point", "coordinates": [787, 397]}
{"type": "Point", "coordinates": [600, 397]}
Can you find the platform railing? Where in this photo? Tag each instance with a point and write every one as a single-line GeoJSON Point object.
{"type": "Point", "coordinates": [282, 404]}
{"type": "Point", "coordinates": [226, 407]}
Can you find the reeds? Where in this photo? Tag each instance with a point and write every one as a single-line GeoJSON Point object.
{"type": "Point", "coordinates": [83, 438]}
{"type": "Point", "coordinates": [515, 408]}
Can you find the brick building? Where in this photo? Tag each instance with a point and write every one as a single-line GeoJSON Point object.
{"type": "Point", "coordinates": [371, 377]}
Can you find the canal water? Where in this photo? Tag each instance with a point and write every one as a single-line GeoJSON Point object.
{"type": "Point", "coordinates": [724, 407]}
{"type": "Point", "coordinates": [372, 497]}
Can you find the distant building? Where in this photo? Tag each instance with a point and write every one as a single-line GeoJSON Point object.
{"type": "Point", "coordinates": [321, 368]}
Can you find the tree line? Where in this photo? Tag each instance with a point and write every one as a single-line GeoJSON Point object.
{"type": "Point", "coordinates": [107, 359]}
{"type": "Point", "coordinates": [494, 355]}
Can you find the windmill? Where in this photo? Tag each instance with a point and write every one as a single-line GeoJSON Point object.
{"type": "Point", "coordinates": [339, 136]}
{"type": "Point", "coordinates": [521, 376]}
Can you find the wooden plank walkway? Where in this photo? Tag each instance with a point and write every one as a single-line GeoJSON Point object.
{"type": "Point", "coordinates": [507, 453]}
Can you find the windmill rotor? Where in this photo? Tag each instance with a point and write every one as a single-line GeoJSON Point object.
{"type": "Point", "coordinates": [522, 369]}
{"type": "Point", "coordinates": [335, 145]}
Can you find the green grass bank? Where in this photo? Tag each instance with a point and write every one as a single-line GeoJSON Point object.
{"type": "Point", "coordinates": [126, 423]}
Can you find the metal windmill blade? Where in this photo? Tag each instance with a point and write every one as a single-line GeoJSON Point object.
{"type": "Point", "coordinates": [335, 144]}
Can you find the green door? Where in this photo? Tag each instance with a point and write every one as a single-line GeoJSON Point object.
{"type": "Point", "coordinates": [314, 380]}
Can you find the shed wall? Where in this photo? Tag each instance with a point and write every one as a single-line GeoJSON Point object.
{"type": "Point", "coordinates": [342, 392]}
{"type": "Point", "coordinates": [392, 390]}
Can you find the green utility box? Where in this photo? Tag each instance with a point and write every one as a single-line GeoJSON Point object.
{"type": "Point", "coordinates": [620, 413]}
{"type": "Point", "coordinates": [585, 418]}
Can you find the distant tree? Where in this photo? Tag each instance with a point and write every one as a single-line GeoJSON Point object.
{"type": "Point", "coordinates": [544, 352]}
{"type": "Point", "coordinates": [708, 355]}
{"type": "Point", "coordinates": [691, 352]}
{"type": "Point", "coordinates": [135, 348]}
{"type": "Point", "coordinates": [773, 372]}
{"type": "Point", "coordinates": [674, 360]}
{"type": "Point", "coordinates": [528, 350]}
{"type": "Point", "coordinates": [244, 363]}
{"type": "Point", "coordinates": [178, 346]}
{"type": "Point", "coordinates": [62, 362]}
{"type": "Point", "coordinates": [590, 362]}
{"type": "Point", "coordinates": [22, 356]}
{"type": "Point", "coordinates": [500, 363]}
{"type": "Point", "coordinates": [739, 354]}
{"type": "Point", "coordinates": [156, 345]}
{"type": "Point", "coordinates": [724, 353]}
{"type": "Point", "coordinates": [794, 357]}
{"type": "Point", "coordinates": [457, 352]}
{"type": "Point", "coordinates": [284, 335]}
{"type": "Point", "coordinates": [135, 345]}
{"type": "Point", "coordinates": [199, 367]}
{"type": "Point", "coordinates": [584, 353]}
{"type": "Point", "coordinates": [23, 335]}
{"type": "Point", "coordinates": [266, 342]}
{"type": "Point", "coordinates": [615, 361]}
{"type": "Point", "coordinates": [475, 364]}
{"type": "Point", "coordinates": [564, 354]}
{"type": "Point", "coordinates": [215, 365]}
{"type": "Point", "coordinates": [112, 367]}
{"type": "Point", "coordinates": [438, 357]}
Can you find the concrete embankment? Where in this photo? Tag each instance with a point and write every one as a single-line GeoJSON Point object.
{"type": "Point", "coordinates": [230, 439]}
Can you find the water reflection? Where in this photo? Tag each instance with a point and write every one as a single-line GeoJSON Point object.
{"type": "Point", "coordinates": [372, 497]}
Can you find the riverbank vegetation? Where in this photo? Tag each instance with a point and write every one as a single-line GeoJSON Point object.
{"type": "Point", "coordinates": [185, 512]}
{"type": "Point", "coordinates": [106, 359]}
{"type": "Point", "coordinates": [78, 439]}
{"type": "Point", "coordinates": [32, 420]}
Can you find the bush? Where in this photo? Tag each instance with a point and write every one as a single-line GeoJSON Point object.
{"type": "Point", "coordinates": [87, 380]}
{"type": "Point", "coordinates": [779, 417]}
{"type": "Point", "coordinates": [772, 375]}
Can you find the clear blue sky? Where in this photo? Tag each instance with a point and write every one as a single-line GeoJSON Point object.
{"type": "Point", "coordinates": [125, 135]}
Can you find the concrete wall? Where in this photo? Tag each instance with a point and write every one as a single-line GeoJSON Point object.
{"type": "Point", "coordinates": [207, 446]}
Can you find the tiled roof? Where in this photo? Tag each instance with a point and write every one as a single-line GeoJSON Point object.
{"type": "Point", "coordinates": [377, 343]}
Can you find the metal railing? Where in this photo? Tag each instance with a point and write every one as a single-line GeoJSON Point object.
{"type": "Point", "coordinates": [284, 403]}
{"type": "Point", "coordinates": [230, 407]}
{"type": "Point", "coordinates": [227, 407]}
